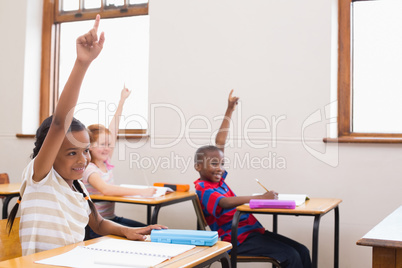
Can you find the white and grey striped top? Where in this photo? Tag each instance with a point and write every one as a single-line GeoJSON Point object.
{"type": "Point", "coordinates": [52, 214]}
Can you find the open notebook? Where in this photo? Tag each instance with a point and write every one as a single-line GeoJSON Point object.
{"type": "Point", "coordinates": [159, 190]}
{"type": "Point", "coordinates": [300, 199]}
{"type": "Point", "coordinates": [113, 253]}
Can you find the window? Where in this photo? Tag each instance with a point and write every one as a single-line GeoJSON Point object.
{"type": "Point", "coordinates": [124, 60]}
{"type": "Point", "coordinates": [370, 64]}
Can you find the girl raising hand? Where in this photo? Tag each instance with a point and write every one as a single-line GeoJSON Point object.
{"type": "Point", "coordinates": [55, 207]}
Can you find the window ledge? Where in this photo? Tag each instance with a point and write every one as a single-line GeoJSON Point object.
{"type": "Point", "coordinates": [352, 139]}
{"type": "Point", "coordinates": [132, 136]}
{"type": "Point", "coordinates": [25, 136]}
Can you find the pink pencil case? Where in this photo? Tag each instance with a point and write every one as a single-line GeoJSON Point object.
{"type": "Point", "coordinates": [272, 203]}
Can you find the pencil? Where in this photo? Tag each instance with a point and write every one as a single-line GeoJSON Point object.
{"type": "Point", "coordinates": [262, 185]}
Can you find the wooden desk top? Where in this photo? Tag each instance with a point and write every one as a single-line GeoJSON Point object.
{"type": "Point", "coordinates": [148, 201]}
{"type": "Point", "coordinates": [388, 233]}
{"type": "Point", "coordinates": [314, 206]}
{"type": "Point", "coordinates": [190, 258]}
{"type": "Point", "coordinates": [10, 188]}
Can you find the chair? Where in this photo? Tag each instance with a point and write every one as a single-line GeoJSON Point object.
{"type": "Point", "coordinates": [4, 179]}
{"type": "Point", "coordinates": [202, 225]}
{"type": "Point", "coordinates": [10, 243]}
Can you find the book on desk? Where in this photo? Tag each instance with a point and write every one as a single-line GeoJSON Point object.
{"type": "Point", "coordinates": [289, 201]}
{"type": "Point", "coordinates": [117, 253]}
{"type": "Point", "coordinates": [160, 191]}
{"type": "Point", "coordinates": [165, 244]}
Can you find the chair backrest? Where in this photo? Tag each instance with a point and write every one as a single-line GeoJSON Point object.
{"type": "Point", "coordinates": [202, 222]}
{"type": "Point", "coordinates": [4, 179]}
{"type": "Point", "coordinates": [10, 243]}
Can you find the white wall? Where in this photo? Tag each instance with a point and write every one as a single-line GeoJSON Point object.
{"type": "Point", "coordinates": [277, 57]}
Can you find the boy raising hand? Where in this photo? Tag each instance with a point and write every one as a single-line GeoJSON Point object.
{"type": "Point", "coordinates": [219, 204]}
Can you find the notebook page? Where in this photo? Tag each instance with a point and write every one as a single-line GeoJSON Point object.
{"type": "Point", "coordinates": [117, 253]}
{"type": "Point", "coordinates": [81, 257]}
{"type": "Point", "coordinates": [299, 198]}
{"type": "Point", "coordinates": [160, 191]}
{"type": "Point", "coordinates": [154, 249]}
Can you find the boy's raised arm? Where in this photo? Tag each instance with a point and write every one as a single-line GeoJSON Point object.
{"type": "Point", "coordinates": [88, 48]}
{"type": "Point", "coordinates": [221, 137]}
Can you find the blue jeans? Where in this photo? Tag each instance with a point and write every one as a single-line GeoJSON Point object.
{"type": "Point", "coordinates": [289, 253]}
{"type": "Point", "coordinates": [90, 234]}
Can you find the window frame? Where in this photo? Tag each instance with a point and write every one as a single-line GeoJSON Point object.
{"type": "Point", "coordinates": [345, 133]}
{"type": "Point", "coordinates": [52, 18]}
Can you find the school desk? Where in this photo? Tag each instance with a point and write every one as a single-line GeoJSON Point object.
{"type": "Point", "coordinates": [9, 190]}
{"type": "Point", "coordinates": [200, 256]}
{"type": "Point", "coordinates": [316, 207]}
{"type": "Point", "coordinates": [156, 202]}
{"type": "Point", "coordinates": [386, 240]}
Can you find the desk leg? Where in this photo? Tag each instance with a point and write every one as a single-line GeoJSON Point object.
{"type": "Point", "coordinates": [336, 239]}
{"type": "Point", "coordinates": [154, 218]}
{"type": "Point", "coordinates": [275, 223]}
{"type": "Point", "coordinates": [223, 258]}
{"type": "Point", "coordinates": [149, 214]}
{"type": "Point", "coordinates": [315, 240]}
{"type": "Point", "coordinates": [233, 253]}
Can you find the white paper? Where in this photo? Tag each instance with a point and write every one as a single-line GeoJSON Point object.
{"type": "Point", "coordinates": [115, 253]}
{"type": "Point", "coordinates": [160, 191]}
{"type": "Point", "coordinates": [298, 198]}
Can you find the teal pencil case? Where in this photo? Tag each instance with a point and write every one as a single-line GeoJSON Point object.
{"type": "Point", "coordinates": [186, 237]}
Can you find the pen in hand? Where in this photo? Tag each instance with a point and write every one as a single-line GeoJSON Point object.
{"type": "Point", "coordinates": [262, 185]}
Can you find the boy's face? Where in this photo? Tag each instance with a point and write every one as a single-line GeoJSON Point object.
{"type": "Point", "coordinates": [211, 166]}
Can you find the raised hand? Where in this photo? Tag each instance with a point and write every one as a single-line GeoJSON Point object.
{"type": "Point", "coordinates": [125, 93]}
{"type": "Point", "coordinates": [232, 101]}
{"type": "Point", "coordinates": [88, 45]}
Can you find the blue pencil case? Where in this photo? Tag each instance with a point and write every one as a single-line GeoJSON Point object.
{"type": "Point", "coordinates": [186, 237]}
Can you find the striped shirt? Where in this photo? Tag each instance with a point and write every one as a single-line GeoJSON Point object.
{"type": "Point", "coordinates": [220, 219]}
{"type": "Point", "coordinates": [105, 208]}
{"type": "Point", "coordinates": [52, 214]}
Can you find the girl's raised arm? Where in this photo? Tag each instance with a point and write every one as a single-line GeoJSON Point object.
{"type": "Point", "coordinates": [114, 124]}
{"type": "Point", "coordinates": [88, 48]}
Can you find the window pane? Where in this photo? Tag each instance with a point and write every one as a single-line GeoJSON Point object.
{"type": "Point", "coordinates": [124, 59]}
{"type": "Point", "coordinates": [69, 5]}
{"type": "Point", "coordinates": [377, 66]}
{"type": "Point", "coordinates": [88, 4]}
{"type": "Point", "coordinates": [136, 2]}
{"type": "Point", "coordinates": [114, 3]}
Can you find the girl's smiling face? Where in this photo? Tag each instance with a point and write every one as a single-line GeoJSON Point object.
{"type": "Point", "coordinates": [73, 156]}
{"type": "Point", "coordinates": [100, 149]}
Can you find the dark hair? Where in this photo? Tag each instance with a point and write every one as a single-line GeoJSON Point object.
{"type": "Point", "coordinates": [200, 153]}
{"type": "Point", "coordinates": [41, 134]}
{"type": "Point", "coordinates": [43, 129]}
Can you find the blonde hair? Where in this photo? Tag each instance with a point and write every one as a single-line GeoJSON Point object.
{"type": "Point", "coordinates": [95, 130]}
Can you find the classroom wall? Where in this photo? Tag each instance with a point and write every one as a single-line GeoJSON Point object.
{"type": "Point", "coordinates": [278, 56]}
